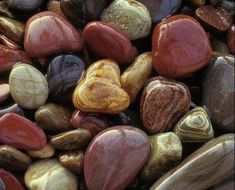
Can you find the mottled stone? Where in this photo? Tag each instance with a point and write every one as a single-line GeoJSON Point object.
{"type": "Point", "coordinates": [13, 159]}
{"type": "Point", "coordinates": [63, 73]}
{"type": "Point", "coordinates": [49, 175]}
{"type": "Point", "coordinates": [114, 158]}
{"type": "Point", "coordinates": [4, 92]}
{"type": "Point", "coordinates": [11, 109]}
{"type": "Point", "coordinates": [218, 92]}
{"type": "Point", "coordinates": [114, 42]}
{"type": "Point", "coordinates": [207, 166]}
{"type": "Point", "coordinates": [47, 33]}
{"type": "Point", "coordinates": [24, 5]}
{"type": "Point", "coordinates": [53, 118]}
{"type": "Point", "coordinates": [180, 47]}
{"type": "Point", "coordinates": [46, 152]}
{"type": "Point", "coordinates": [28, 86]}
{"type": "Point", "coordinates": [9, 181]}
{"type": "Point", "coordinates": [71, 140]}
{"type": "Point", "coordinates": [21, 133]}
{"type": "Point", "coordinates": [163, 103]}
{"type": "Point", "coordinates": [195, 126]}
{"type": "Point", "coordinates": [166, 149]}
{"type": "Point", "coordinates": [134, 77]}
{"type": "Point", "coordinates": [73, 161]}
{"type": "Point", "coordinates": [100, 90]}
{"type": "Point", "coordinates": [231, 39]}
{"type": "Point", "coordinates": [131, 16]}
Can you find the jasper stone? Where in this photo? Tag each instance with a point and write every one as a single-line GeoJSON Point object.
{"type": "Point", "coordinates": [10, 57]}
{"type": "Point", "coordinates": [4, 92]}
{"type": "Point", "coordinates": [114, 42]}
{"type": "Point", "coordinates": [195, 126]}
{"type": "Point", "coordinates": [217, 19]}
{"type": "Point", "coordinates": [231, 39]}
{"type": "Point", "coordinates": [10, 182]}
{"type": "Point", "coordinates": [11, 28]}
{"type": "Point", "coordinates": [207, 166]}
{"type": "Point", "coordinates": [81, 12]}
{"type": "Point", "coordinates": [63, 73]}
{"type": "Point", "coordinates": [13, 159]}
{"type": "Point", "coordinates": [134, 77]}
{"type": "Point", "coordinates": [12, 109]}
{"type": "Point", "coordinates": [131, 16]}
{"type": "Point", "coordinates": [49, 175]}
{"type": "Point", "coordinates": [218, 92]}
{"type": "Point", "coordinates": [180, 47]}
{"type": "Point", "coordinates": [24, 5]}
{"type": "Point", "coordinates": [114, 158]}
{"type": "Point", "coordinates": [21, 133]}
{"type": "Point", "coordinates": [71, 140]}
{"type": "Point", "coordinates": [28, 86]}
{"type": "Point", "coordinates": [46, 152]}
{"type": "Point", "coordinates": [47, 33]}
{"type": "Point", "coordinates": [163, 103]}
{"type": "Point", "coordinates": [166, 149]}
{"type": "Point", "coordinates": [160, 9]}
{"type": "Point", "coordinates": [53, 118]}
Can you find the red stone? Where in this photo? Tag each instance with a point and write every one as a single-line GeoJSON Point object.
{"type": "Point", "coordinates": [10, 57]}
{"type": "Point", "coordinates": [231, 39]}
{"type": "Point", "coordinates": [21, 133]}
{"type": "Point", "coordinates": [107, 42]}
{"type": "Point", "coordinates": [47, 33]}
{"type": "Point", "coordinates": [114, 158]}
{"type": "Point", "coordinates": [4, 92]}
{"type": "Point", "coordinates": [180, 47]}
{"type": "Point", "coordinates": [10, 182]}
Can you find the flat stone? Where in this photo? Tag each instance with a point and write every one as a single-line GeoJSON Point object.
{"type": "Point", "coordinates": [114, 42]}
{"type": "Point", "coordinates": [24, 5]}
{"type": "Point", "coordinates": [47, 33]}
{"type": "Point", "coordinates": [28, 86]}
{"type": "Point", "coordinates": [114, 158]}
{"type": "Point", "coordinates": [204, 168]}
{"type": "Point", "coordinates": [21, 133]}
{"type": "Point", "coordinates": [180, 47]}
{"type": "Point", "coordinates": [10, 181]}
{"type": "Point", "coordinates": [4, 92]}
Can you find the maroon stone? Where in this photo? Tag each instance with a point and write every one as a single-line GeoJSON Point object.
{"type": "Point", "coordinates": [114, 158]}
{"type": "Point", "coordinates": [9, 181]}
{"type": "Point", "coordinates": [21, 133]}
{"type": "Point", "coordinates": [4, 92]}
{"type": "Point", "coordinates": [231, 39]}
{"type": "Point", "coordinates": [107, 42]}
{"type": "Point", "coordinates": [47, 33]}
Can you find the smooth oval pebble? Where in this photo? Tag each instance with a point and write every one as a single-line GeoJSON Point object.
{"type": "Point", "coordinates": [195, 126]}
{"type": "Point", "coordinates": [53, 118]}
{"type": "Point", "coordinates": [71, 140]}
{"type": "Point", "coordinates": [134, 77]}
{"type": "Point", "coordinates": [231, 39]}
{"type": "Point", "coordinates": [218, 19]}
{"type": "Point", "coordinates": [49, 175]}
{"type": "Point", "coordinates": [46, 152]}
{"type": "Point", "coordinates": [166, 148]}
{"type": "Point", "coordinates": [21, 133]}
{"type": "Point", "coordinates": [10, 182]}
{"type": "Point", "coordinates": [114, 158]}
{"type": "Point", "coordinates": [24, 5]}
{"type": "Point", "coordinates": [114, 42]}
{"type": "Point", "coordinates": [63, 73]}
{"type": "Point", "coordinates": [160, 9]}
{"type": "Point", "coordinates": [180, 47]}
{"type": "Point", "coordinates": [73, 161]}
{"type": "Point", "coordinates": [28, 86]}
{"type": "Point", "coordinates": [47, 33]}
{"type": "Point", "coordinates": [218, 92]}
{"type": "Point", "coordinates": [4, 92]}
{"type": "Point", "coordinates": [204, 168]}
{"type": "Point", "coordinates": [12, 109]}
{"type": "Point", "coordinates": [131, 16]}
{"type": "Point", "coordinates": [163, 103]}
{"type": "Point", "coordinates": [13, 159]}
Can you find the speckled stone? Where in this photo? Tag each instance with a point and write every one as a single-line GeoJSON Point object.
{"type": "Point", "coordinates": [49, 175]}
{"type": "Point", "coordinates": [28, 86]}
{"type": "Point", "coordinates": [131, 16]}
{"type": "Point", "coordinates": [24, 5]}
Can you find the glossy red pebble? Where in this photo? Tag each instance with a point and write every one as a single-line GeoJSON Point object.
{"type": "Point", "coordinates": [4, 92]}
{"type": "Point", "coordinates": [180, 47]}
{"type": "Point", "coordinates": [47, 33]}
{"type": "Point", "coordinates": [9, 181]}
{"type": "Point", "coordinates": [114, 158]}
{"type": "Point", "coordinates": [21, 133]}
{"type": "Point", "coordinates": [107, 42]}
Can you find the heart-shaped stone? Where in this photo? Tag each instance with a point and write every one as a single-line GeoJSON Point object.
{"type": "Point", "coordinates": [114, 158]}
{"type": "Point", "coordinates": [100, 90]}
{"type": "Point", "coordinates": [195, 126]}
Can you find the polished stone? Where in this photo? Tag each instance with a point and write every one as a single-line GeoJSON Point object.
{"type": "Point", "coordinates": [10, 181]}
{"type": "Point", "coordinates": [12, 109]}
{"type": "Point", "coordinates": [24, 5]}
{"type": "Point", "coordinates": [46, 152]}
{"type": "Point", "coordinates": [231, 39]}
{"type": "Point", "coordinates": [4, 92]}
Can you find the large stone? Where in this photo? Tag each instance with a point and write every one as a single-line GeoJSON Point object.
{"type": "Point", "coordinates": [9, 181]}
